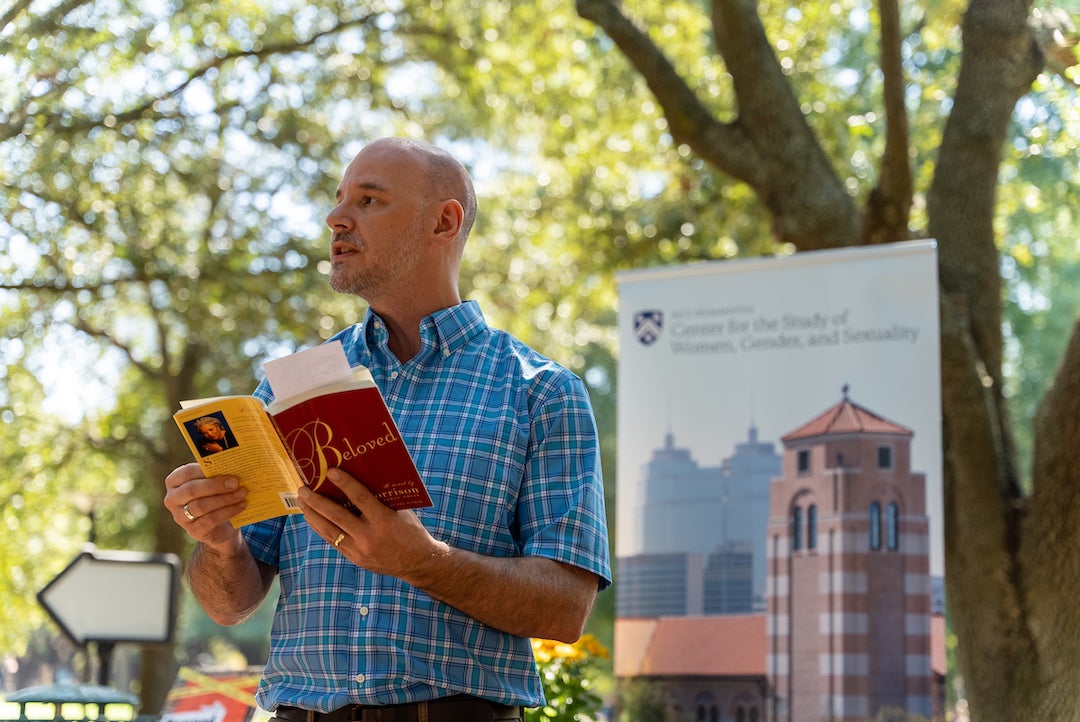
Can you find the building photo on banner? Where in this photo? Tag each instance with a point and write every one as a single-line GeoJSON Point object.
{"type": "Point", "coordinates": [779, 547]}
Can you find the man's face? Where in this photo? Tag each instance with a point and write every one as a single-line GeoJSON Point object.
{"type": "Point", "coordinates": [378, 224]}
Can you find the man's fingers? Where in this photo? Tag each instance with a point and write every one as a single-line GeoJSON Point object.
{"type": "Point", "coordinates": [182, 474]}
{"type": "Point", "coordinates": [211, 507]}
{"type": "Point", "coordinates": [198, 488]}
{"type": "Point", "coordinates": [324, 508]}
{"type": "Point", "coordinates": [357, 493]}
{"type": "Point", "coordinates": [326, 517]}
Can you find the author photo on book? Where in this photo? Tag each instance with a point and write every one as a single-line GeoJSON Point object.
{"type": "Point", "coordinates": [211, 434]}
{"type": "Point", "coordinates": [418, 615]}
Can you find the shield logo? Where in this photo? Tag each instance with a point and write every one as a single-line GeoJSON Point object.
{"type": "Point", "coordinates": [647, 326]}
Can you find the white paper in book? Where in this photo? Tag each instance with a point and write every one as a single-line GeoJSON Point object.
{"type": "Point", "coordinates": [308, 369]}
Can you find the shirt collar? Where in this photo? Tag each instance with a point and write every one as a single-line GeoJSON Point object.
{"type": "Point", "coordinates": [444, 331]}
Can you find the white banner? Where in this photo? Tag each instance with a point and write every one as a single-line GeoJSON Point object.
{"type": "Point", "coordinates": [720, 360]}
{"type": "Point", "coordinates": [780, 484]}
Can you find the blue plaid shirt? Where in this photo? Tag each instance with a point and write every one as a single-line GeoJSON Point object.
{"type": "Point", "coordinates": [506, 443]}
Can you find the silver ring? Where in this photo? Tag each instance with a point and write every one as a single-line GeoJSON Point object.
{"type": "Point", "coordinates": [340, 538]}
{"type": "Point", "coordinates": [188, 514]}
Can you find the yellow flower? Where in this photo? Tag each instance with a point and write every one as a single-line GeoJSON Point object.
{"type": "Point", "coordinates": [543, 650]}
{"type": "Point", "coordinates": [547, 650]}
{"type": "Point", "coordinates": [593, 647]}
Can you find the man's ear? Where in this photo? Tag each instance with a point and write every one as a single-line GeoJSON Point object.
{"type": "Point", "coordinates": [449, 220]}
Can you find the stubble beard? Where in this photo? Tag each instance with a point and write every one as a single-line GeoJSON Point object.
{"type": "Point", "coordinates": [341, 280]}
{"type": "Point", "coordinates": [366, 282]}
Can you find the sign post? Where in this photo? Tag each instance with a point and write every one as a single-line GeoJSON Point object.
{"type": "Point", "coordinates": [110, 597]}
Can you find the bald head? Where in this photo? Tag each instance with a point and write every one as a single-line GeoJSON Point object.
{"type": "Point", "coordinates": [444, 176]}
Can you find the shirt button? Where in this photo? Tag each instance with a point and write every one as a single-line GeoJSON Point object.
{"type": "Point", "coordinates": [360, 678]}
{"type": "Point", "coordinates": [446, 352]}
{"type": "Point", "coordinates": [364, 611]}
{"type": "Point", "coordinates": [393, 375]}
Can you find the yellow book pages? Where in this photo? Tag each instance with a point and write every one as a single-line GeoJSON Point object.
{"type": "Point", "coordinates": [233, 436]}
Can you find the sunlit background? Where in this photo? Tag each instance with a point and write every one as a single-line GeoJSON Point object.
{"type": "Point", "coordinates": [166, 169]}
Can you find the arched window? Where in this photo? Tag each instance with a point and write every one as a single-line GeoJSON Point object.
{"type": "Point", "coordinates": [892, 526]}
{"type": "Point", "coordinates": [753, 714]}
{"type": "Point", "coordinates": [706, 708]}
{"type": "Point", "coordinates": [796, 528]}
{"type": "Point", "coordinates": [875, 525]}
{"type": "Point", "coordinates": [740, 714]}
{"type": "Point", "coordinates": [811, 527]}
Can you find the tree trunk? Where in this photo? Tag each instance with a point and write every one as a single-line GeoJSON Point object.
{"type": "Point", "coordinates": [159, 665]}
{"type": "Point", "coordinates": [989, 592]}
{"type": "Point", "coordinates": [1051, 536]}
{"type": "Point", "coordinates": [158, 669]}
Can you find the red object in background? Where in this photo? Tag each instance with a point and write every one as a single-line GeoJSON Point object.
{"type": "Point", "coordinates": [212, 695]}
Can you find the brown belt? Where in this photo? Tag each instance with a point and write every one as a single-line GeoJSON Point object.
{"type": "Point", "coordinates": [460, 708]}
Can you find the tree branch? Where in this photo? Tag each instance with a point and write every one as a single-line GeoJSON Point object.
{"type": "Point", "coordinates": [888, 206]}
{"type": "Point", "coordinates": [727, 147]}
{"type": "Point", "coordinates": [145, 108]}
{"type": "Point", "coordinates": [39, 25]}
{"type": "Point", "coordinates": [12, 13]}
{"type": "Point", "coordinates": [808, 202]}
{"type": "Point", "coordinates": [770, 147]}
{"type": "Point", "coordinates": [1000, 62]}
{"type": "Point", "coordinates": [768, 107]}
{"type": "Point", "coordinates": [104, 335]}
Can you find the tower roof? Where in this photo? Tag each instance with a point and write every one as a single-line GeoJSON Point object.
{"type": "Point", "coordinates": [846, 417]}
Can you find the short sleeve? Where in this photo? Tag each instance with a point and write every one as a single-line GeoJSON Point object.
{"type": "Point", "coordinates": [561, 510]}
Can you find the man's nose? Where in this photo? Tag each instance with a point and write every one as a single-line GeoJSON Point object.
{"type": "Point", "coordinates": [338, 219]}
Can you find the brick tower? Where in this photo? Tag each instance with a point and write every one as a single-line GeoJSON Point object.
{"type": "Point", "coordinates": [848, 581]}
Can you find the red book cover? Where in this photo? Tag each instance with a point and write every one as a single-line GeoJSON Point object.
{"type": "Point", "coordinates": [351, 428]}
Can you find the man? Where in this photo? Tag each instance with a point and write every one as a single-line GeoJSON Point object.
{"type": "Point", "coordinates": [427, 614]}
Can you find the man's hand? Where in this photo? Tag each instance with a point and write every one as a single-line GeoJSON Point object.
{"type": "Point", "coordinates": [377, 538]}
{"type": "Point", "coordinates": [225, 579]}
{"type": "Point", "coordinates": [528, 596]}
{"type": "Point", "coordinates": [204, 506]}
